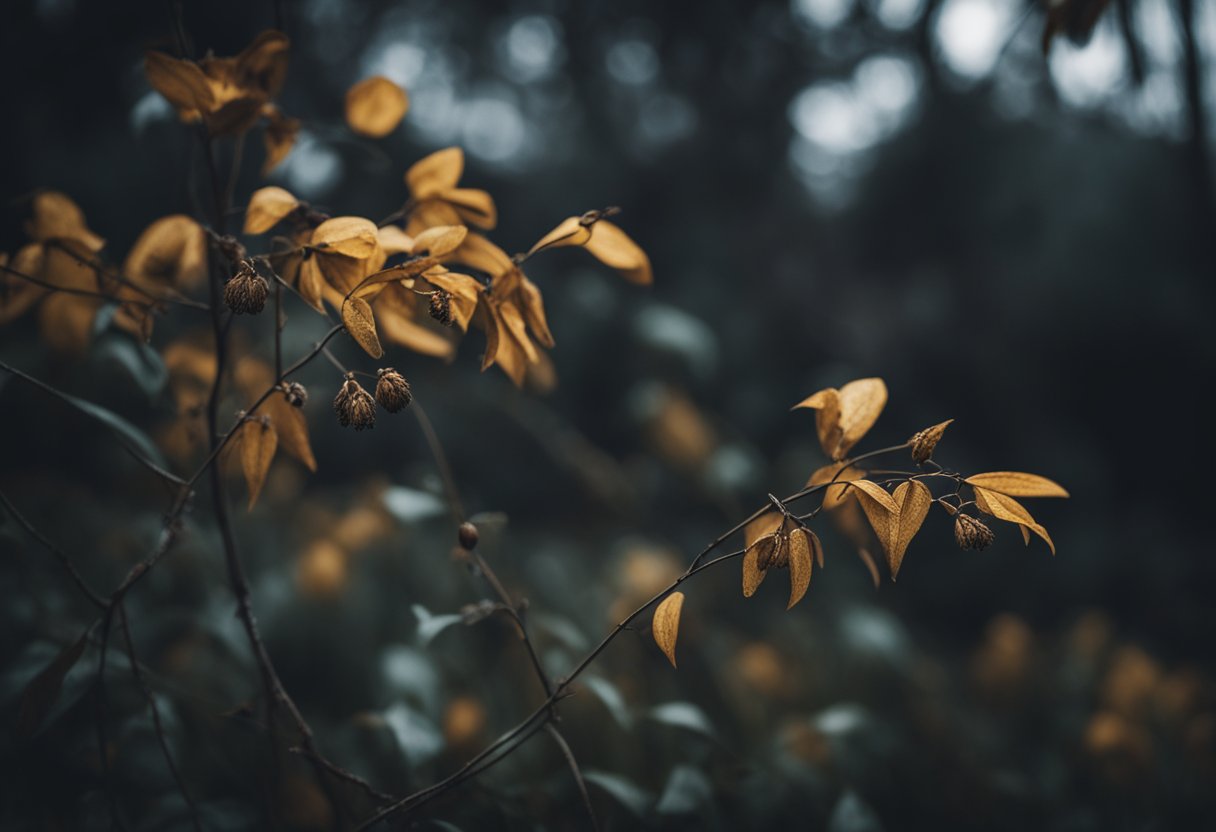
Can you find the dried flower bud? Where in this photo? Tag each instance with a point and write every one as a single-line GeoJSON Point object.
{"type": "Point", "coordinates": [468, 536]}
{"type": "Point", "coordinates": [355, 406]}
{"type": "Point", "coordinates": [246, 292]}
{"type": "Point", "coordinates": [441, 307]}
{"type": "Point", "coordinates": [295, 393]}
{"type": "Point", "coordinates": [392, 390]}
{"type": "Point", "coordinates": [971, 532]}
{"type": "Point", "coordinates": [925, 442]}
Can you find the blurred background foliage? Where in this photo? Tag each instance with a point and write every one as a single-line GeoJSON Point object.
{"type": "Point", "coordinates": [827, 189]}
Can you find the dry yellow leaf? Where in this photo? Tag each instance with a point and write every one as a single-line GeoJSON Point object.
{"type": "Point", "coordinates": [753, 575]}
{"type": "Point", "coordinates": [666, 625]}
{"type": "Point", "coordinates": [861, 402]}
{"type": "Point", "coordinates": [359, 322]}
{"type": "Point", "coordinates": [394, 240]}
{"type": "Point", "coordinates": [54, 216]}
{"type": "Point", "coordinates": [258, 444]}
{"type": "Point", "coordinates": [435, 173]}
{"type": "Point", "coordinates": [877, 493]}
{"type": "Point", "coordinates": [474, 205]}
{"type": "Point", "coordinates": [375, 106]}
{"type": "Point", "coordinates": [291, 428]}
{"type": "Point", "coordinates": [840, 472]}
{"type": "Point", "coordinates": [817, 548]}
{"type": "Point", "coordinates": [278, 138]}
{"type": "Point", "coordinates": [1017, 484]}
{"type": "Point", "coordinates": [267, 207]}
{"type": "Point", "coordinates": [826, 404]}
{"type": "Point", "coordinates": [800, 565]}
{"type": "Point", "coordinates": [440, 240]}
{"type": "Point", "coordinates": [400, 329]}
{"type": "Point", "coordinates": [913, 499]}
{"type": "Point", "coordinates": [352, 236]}
{"type": "Point", "coordinates": [170, 252]}
{"type": "Point", "coordinates": [1010, 510]}
{"type": "Point", "coordinates": [881, 511]}
{"type": "Point", "coordinates": [66, 322]}
{"type": "Point", "coordinates": [614, 248]}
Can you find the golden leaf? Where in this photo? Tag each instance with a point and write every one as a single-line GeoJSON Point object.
{"type": "Point", "coordinates": [474, 205]}
{"type": "Point", "coordinates": [279, 137]}
{"type": "Point", "coordinates": [877, 493]}
{"type": "Point", "coordinates": [914, 499]}
{"type": "Point", "coordinates": [267, 207]}
{"type": "Point", "coordinates": [479, 253]}
{"type": "Point", "coordinates": [291, 428]}
{"type": "Point", "coordinates": [66, 322]}
{"type": "Point", "coordinates": [569, 232]}
{"type": "Point", "coordinates": [613, 247]}
{"type": "Point", "coordinates": [393, 274]}
{"type": "Point", "coordinates": [435, 173]}
{"type": "Point", "coordinates": [826, 404]}
{"type": "Point", "coordinates": [352, 236]}
{"type": "Point", "coordinates": [1010, 510]}
{"type": "Point", "coordinates": [800, 565]}
{"type": "Point", "coordinates": [440, 240]}
{"type": "Point", "coordinates": [841, 472]}
{"type": "Point", "coordinates": [56, 217]}
{"type": "Point", "coordinates": [667, 624]}
{"type": "Point", "coordinates": [311, 284]}
{"type": "Point", "coordinates": [817, 547]}
{"type": "Point", "coordinates": [861, 402]}
{"type": "Point", "coordinates": [394, 240]}
{"type": "Point", "coordinates": [359, 322]}
{"type": "Point", "coordinates": [258, 444]}
{"type": "Point", "coordinates": [1017, 484]}
{"type": "Point", "coordinates": [753, 575]}
{"type": "Point", "coordinates": [182, 83]}
{"type": "Point", "coordinates": [170, 252]}
{"type": "Point", "coordinates": [398, 329]}
{"type": "Point", "coordinates": [375, 106]}
{"type": "Point", "coordinates": [762, 526]}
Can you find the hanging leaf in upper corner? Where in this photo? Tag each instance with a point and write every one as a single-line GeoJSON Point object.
{"type": "Point", "coordinates": [666, 625]}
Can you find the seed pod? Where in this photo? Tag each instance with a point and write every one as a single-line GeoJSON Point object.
{"type": "Point", "coordinates": [971, 532]}
{"type": "Point", "coordinates": [468, 536]}
{"type": "Point", "coordinates": [355, 406]}
{"type": "Point", "coordinates": [246, 292]}
{"type": "Point", "coordinates": [295, 393]}
{"type": "Point", "coordinates": [392, 390]}
{"type": "Point", "coordinates": [441, 307]}
{"type": "Point", "coordinates": [781, 553]}
{"type": "Point", "coordinates": [924, 442]}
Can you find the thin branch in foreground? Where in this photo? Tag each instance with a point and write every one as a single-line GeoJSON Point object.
{"type": "Point", "coordinates": [64, 561]}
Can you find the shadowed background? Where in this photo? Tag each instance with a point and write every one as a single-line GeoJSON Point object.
{"type": "Point", "coordinates": [827, 190]}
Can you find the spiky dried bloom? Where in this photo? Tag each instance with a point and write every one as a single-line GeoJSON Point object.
{"type": "Point", "coordinates": [924, 442]}
{"type": "Point", "coordinates": [392, 390]}
{"type": "Point", "coordinates": [246, 292]}
{"type": "Point", "coordinates": [295, 393]}
{"type": "Point", "coordinates": [441, 307]}
{"type": "Point", "coordinates": [355, 406]}
{"type": "Point", "coordinates": [972, 533]}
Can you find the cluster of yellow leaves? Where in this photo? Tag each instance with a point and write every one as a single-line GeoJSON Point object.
{"type": "Point", "coordinates": [774, 541]}
{"type": "Point", "coordinates": [68, 277]}
{"type": "Point", "coordinates": [343, 261]}
{"type": "Point", "coordinates": [995, 492]}
{"type": "Point", "coordinates": [229, 95]}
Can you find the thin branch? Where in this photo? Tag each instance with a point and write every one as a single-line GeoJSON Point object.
{"type": "Point", "coordinates": [83, 407]}
{"type": "Point", "coordinates": [64, 561]}
{"type": "Point", "coordinates": [441, 462]}
{"type": "Point", "coordinates": [574, 770]}
{"type": "Point", "coordinates": [156, 721]}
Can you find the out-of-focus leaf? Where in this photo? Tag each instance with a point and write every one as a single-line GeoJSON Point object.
{"type": "Point", "coordinates": [666, 626]}
{"type": "Point", "coordinates": [430, 625]}
{"type": "Point", "coordinates": [127, 431]}
{"type": "Point", "coordinates": [410, 506]}
{"type": "Point", "coordinates": [417, 737]}
{"type": "Point", "coordinates": [43, 690]}
{"type": "Point", "coordinates": [258, 441]}
{"type": "Point", "coordinates": [375, 106]}
{"type": "Point", "coordinates": [852, 814]}
{"type": "Point", "coordinates": [687, 790]}
{"type": "Point", "coordinates": [267, 207]}
{"type": "Point", "coordinates": [142, 363]}
{"type": "Point", "coordinates": [612, 699]}
{"type": "Point", "coordinates": [627, 793]}
{"type": "Point", "coordinates": [683, 715]}
{"type": "Point", "coordinates": [351, 236]}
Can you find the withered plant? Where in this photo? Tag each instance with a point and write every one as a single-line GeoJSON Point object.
{"type": "Point", "coordinates": [415, 281]}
